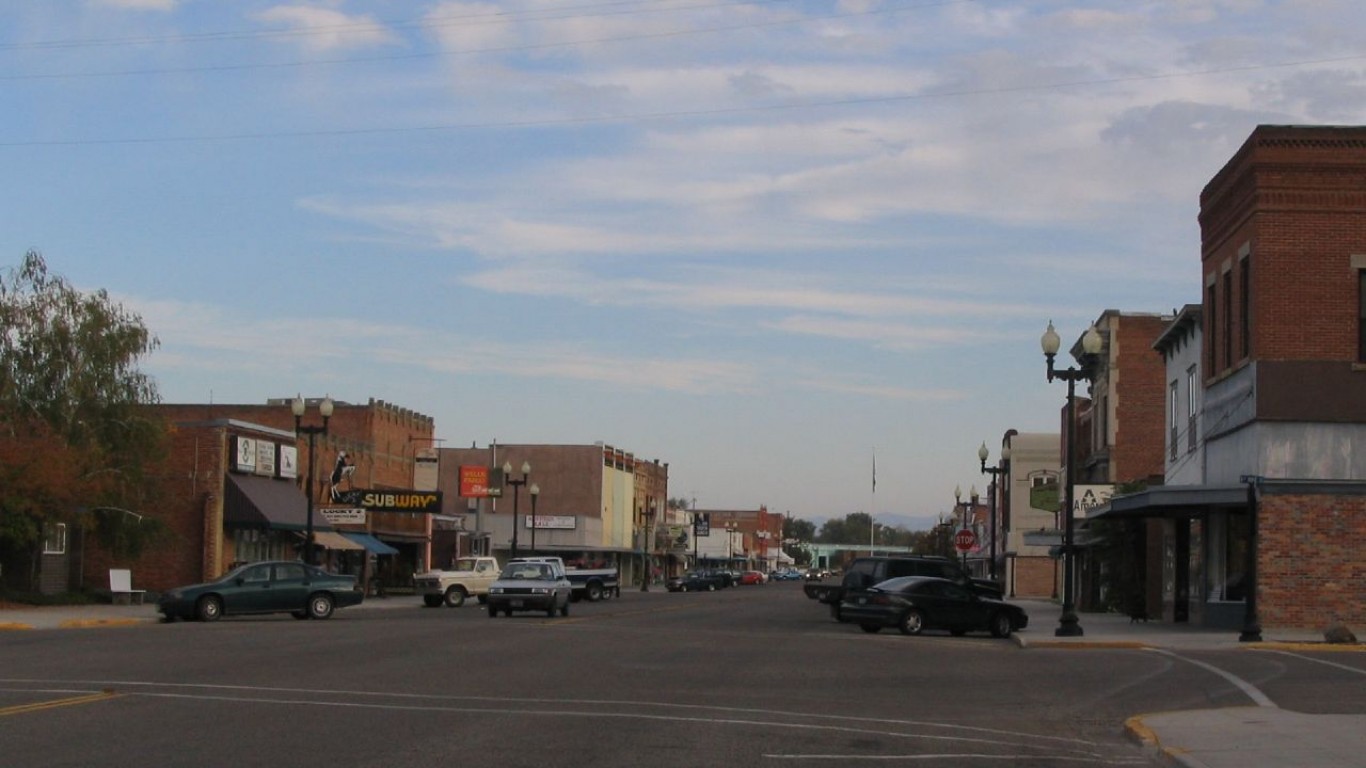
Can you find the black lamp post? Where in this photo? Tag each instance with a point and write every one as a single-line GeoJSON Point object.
{"type": "Point", "coordinates": [324, 408]}
{"type": "Point", "coordinates": [535, 491]}
{"type": "Point", "coordinates": [516, 496]}
{"type": "Point", "coordinates": [1068, 624]}
{"type": "Point", "coordinates": [994, 488]}
{"type": "Point", "coordinates": [645, 547]}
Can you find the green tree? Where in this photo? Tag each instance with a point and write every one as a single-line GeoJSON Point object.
{"type": "Point", "coordinates": [73, 435]}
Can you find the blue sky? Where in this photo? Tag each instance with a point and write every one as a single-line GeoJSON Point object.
{"type": "Point", "coordinates": [761, 241]}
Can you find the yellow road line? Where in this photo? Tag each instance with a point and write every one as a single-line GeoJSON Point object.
{"type": "Point", "coordinates": [21, 709]}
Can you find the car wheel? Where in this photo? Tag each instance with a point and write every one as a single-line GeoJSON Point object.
{"type": "Point", "coordinates": [431, 601]}
{"type": "Point", "coordinates": [871, 629]}
{"type": "Point", "coordinates": [594, 592]}
{"type": "Point", "coordinates": [319, 606]}
{"type": "Point", "coordinates": [209, 608]}
{"type": "Point", "coordinates": [493, 611]}
{"type": "Point", "coordinates": [913, 623]}
{"type": "Point", "coordinates": [455, 597]}
{"type": "Point", "coordinates": [1000, 625]}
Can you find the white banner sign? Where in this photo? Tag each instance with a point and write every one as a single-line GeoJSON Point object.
{"type": "Point", "coordinates": [344, 515]}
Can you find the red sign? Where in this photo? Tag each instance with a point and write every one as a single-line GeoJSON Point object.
{"type": "Point", "coordinates": [474, 482]}
{"type": "Point", "coordinates": [964, 540]}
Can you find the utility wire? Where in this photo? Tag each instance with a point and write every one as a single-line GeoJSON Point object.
{"type": "Point", "coordinates": [655, 116]}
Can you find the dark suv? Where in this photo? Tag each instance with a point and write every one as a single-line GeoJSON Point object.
{"type": "Point", "coordinates": [864, 572]}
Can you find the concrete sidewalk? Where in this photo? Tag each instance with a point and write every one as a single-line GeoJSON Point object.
{"type": "Point", "coordinates": [1235, 737]}
{"type": "Point", "coordinates": [1209, 738]}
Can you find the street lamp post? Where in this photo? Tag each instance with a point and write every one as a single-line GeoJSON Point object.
{"type": "Point", "coordinates": [534, 491]}
{"type": "Point", "coordinates": [1068, 623]}
{"type": "Point", "coordinates": [995, 487]}
{"type": "Point", "coordinates": [645, 547]}
{"type": "Point", "coordinates": [324, 408]}
{"type": "Point", "coordinates": [516, 496]}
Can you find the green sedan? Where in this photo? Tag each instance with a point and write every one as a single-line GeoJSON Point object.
{"type": "Point", "coordinates": [304, 591]}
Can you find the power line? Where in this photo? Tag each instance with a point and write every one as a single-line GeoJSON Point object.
{"type": "Point", "coordinates": [470, 51]}
{"type": "Point", "coordinates": [657, 116]}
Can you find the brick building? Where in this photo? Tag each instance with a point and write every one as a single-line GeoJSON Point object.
{"type": "Point", "coordinates": [595, 504]}
{"type": "Point", "coordinates": [1277, 512]}
{"type": "Point", "coordinates": [235, 489]}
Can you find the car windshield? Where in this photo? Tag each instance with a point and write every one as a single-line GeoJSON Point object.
{"type": "Point", "coordinates": [535, 571]}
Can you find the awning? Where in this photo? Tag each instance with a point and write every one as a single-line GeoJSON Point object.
{"type": "Point", "coordinates": [333, 540]}
{"type": "Point", "coordinates": [260, 502]}
{"type": "Point", "coordinates": [370, 542]}
{"type": "Point", "coordinates": [1173, 501]}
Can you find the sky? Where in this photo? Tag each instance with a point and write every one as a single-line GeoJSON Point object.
{"type": "Point", "coordinates": [772, 243]}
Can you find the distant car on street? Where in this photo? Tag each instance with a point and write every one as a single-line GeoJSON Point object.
{"type": "Point", "coordinates": [695, 581]}
{"type": "Point", "coordinates": [913, 604]}
{"type": "Point", "coordinates": [751, 577]}
{"type": "Point", "coordinates": [304, 591]}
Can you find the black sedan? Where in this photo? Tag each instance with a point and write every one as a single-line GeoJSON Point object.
{"type": "Point", "coordinates": [913, 604]}
{"type": "Point", "coordinates": [695, 581]}
{"type": "Point", "coordinates": [305, 591]}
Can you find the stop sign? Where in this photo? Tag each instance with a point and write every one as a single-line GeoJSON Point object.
{"type": "Point", "coordinates": [964, 540]}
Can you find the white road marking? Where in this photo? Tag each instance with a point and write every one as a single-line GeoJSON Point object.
{"type": "Point", "coordinates": [1247, 688]}
{"type": "Point", "coordinates": [1324, 662]}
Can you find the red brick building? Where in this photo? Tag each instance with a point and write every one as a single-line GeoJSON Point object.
{"type": "Point", "coordinates": [1274, 530]}
{"type": "Point", "coordinates": [235, 489]}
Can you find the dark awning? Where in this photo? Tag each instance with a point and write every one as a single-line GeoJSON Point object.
{"type": "Point", "coordinates": [370, 542]}
{"type": "Point", "coordinates": [1172, 501]}
{"type": "Point", "coordinates": [259, 502]}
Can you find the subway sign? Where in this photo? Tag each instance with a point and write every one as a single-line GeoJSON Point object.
{"type": "Point", "coordinates": [376, 500]}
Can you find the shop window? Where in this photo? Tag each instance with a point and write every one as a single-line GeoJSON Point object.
{"type": "Point", "coordinates": [1228, 560]}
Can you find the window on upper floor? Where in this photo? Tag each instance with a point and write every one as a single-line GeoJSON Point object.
{"type": "Point", "coordinates": [1245, 308]}
{"type": "Point", "coordinates": [1212, 322]}
{"type": "Point", "coordinates": [1361, 316]}
{"type": "Point", "coordinates": [1227, 330]}
{"type": "Point", "coordinates": [1173, 438]}
{"type": "Point", "coordinates": [1192, 407]}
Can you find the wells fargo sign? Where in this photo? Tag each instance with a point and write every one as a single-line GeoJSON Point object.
{"type": "Point", "coordinates": [421, 502]}
{"type": "Point", "coordinates": [474, 482]}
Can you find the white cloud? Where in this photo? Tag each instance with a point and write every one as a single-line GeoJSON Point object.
{"type": "Point", "coordinates": [325, 29]}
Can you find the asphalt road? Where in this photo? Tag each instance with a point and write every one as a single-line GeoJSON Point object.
{"type": "Point", "coordinates": [750, 676]}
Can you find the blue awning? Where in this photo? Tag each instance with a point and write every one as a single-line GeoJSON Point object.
{"type": "Point", "coordinates": [370, 542]}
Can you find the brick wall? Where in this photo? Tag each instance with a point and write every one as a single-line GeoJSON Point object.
{"type": "Point", "coordinates": [1310, 566]}
{"type": "Point", "coordinates": [1140, 385]}
{"type": "Point", "coordinates": [1034, 577]}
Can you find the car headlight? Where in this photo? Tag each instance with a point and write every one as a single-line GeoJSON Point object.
{"type": "Point", "coordinates": [495, 590]}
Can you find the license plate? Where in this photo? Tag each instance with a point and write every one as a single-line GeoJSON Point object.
{"type": "Point", "coordinates": [516, 603]}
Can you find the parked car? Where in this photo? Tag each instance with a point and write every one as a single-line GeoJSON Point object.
{"type": "Point", "coordinates": [304, 591]}
{"type": "Point", "coordinates": [913, 604]}
{"type": "Point", "coordinates": [695, 581]}
{"type": "Point", "coordinates": [531, 585]}
{"type": "Point", "coordinates": [751, 577]}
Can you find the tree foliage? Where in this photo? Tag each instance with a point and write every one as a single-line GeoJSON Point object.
{"type": "Point", "coordinates": [72, 433]}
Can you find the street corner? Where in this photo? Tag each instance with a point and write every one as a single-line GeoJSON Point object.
{"type": "Point", "coordinates": [1138, 730]}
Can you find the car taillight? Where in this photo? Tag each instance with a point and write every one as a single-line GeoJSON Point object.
{"type": "Point", "coordinates": [879, 599]}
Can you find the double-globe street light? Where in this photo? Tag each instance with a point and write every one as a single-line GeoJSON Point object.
{"type": "Point", "coordinates": [324, 408]}
{"type": "Point", "coordinates": [535, 492]}
{"type": "Point", "coordinates": [516, 484]}
{"type": "Point", "coordinates": [649, 513]}
{"type": "Point", "coordinates": [995, 488]}
{"type": "Point", "coordinates": [1091, 342]}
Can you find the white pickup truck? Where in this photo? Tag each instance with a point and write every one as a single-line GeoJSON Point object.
{"type": "Point", "coordinates": [470, 577]}
{"type": "Point", "coordinates": [591, 584]}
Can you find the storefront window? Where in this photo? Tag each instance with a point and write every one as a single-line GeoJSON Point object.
{"type": "Point", "coordinates": [1228, 541]}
